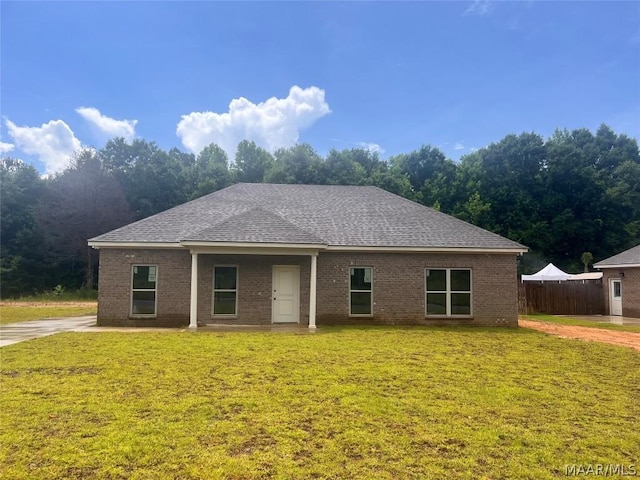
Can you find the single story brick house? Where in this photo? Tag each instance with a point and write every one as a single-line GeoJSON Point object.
{"type": "Point", "coordinates": [262, 254]}
{"type": "Point", "coordinates": [621, 283]}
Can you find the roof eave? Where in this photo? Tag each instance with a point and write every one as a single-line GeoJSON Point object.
{"type": "Point", "coordinates": [418, 249]}
{"type": "Point", "coordinates": [200, 243]}
{"type": "Point", "coordinates": [97, 244]}
{"type": "Point", "coordinates": [305, 246]}
{"type": "Point", "coordinates": [619, 265]}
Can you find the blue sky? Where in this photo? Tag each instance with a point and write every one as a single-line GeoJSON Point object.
{"type": "Point", "coordinates": [391, 76]}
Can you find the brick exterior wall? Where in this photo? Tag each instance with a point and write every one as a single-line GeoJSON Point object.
{"type": "Point", "coordinates": [254, 287]}
{"type": "Point", "coordinates": [173, 286]}
{"type": "Point", "coordinates": [630, 283]}
{"type": "Point", "coordinates": [398, 287]}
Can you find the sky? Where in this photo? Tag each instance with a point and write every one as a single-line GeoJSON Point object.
{"type": "Point", "coordinates": [386, 76]}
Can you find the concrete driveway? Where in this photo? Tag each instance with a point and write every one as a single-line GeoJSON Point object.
{"type": "Point", "coordinates": [613, 320]}
{"type": "Point", "coordinates": [21, 331]}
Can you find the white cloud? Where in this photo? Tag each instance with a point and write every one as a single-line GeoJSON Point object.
{"type": "Point", "coordinates": [6, 147]}
{"type": "Point", "coordinates": [272, 124]}
{"type": "Point", "coordinates": [53, 143]}
{"type": "Point", "coordinates": [458, 146]}
{"type": "Point", "coordinates": [479, 7]}
{"type": "Point", "coordinates": [108, 125]}
{"type": "Point", "coordinates": [371, 147]}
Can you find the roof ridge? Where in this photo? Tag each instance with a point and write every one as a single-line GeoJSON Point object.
{"type": "Point", "coordinates": [347, 215]}
{"type": "Point", "coordinates": [181, 206]}
{"type": "Point", "coordinates": [257, 207]}
{"type": "Point", "coordinates": [289, 222]}
{"type": "Point", "coordinates": [630, 256]}
{"type": "Point", "coordinates": [438, 212]}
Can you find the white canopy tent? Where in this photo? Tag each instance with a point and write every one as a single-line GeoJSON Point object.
{"type": "Point", "coordinates": [550, 273]}
{"type": "Point", "coordinates": [586, 276]}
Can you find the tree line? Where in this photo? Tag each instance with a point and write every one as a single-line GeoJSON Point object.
{"type": "Point", "coordinates": [574, 193]}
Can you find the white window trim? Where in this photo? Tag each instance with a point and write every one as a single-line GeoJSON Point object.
{"type": "Point", "coordinates": [214, 290]}
{"type": "Point", "coordinates": [360, 291]}
{"type": "Point", "coordinates": [155, 290]}
{"type": "Point", "coordinates": [448, 293]}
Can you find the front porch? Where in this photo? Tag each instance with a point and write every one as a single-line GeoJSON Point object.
{"type": "Point", "coordinates": [252, 287]}
{"type": "Point", "coordinates": [219, 328]}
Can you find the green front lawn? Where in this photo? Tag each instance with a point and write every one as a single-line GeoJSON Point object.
{"type": "Point", "coordinates": [11, 312]}
{"type": "Point", "coordinates": [562, 320]}
{"type": "Point", "coordinates": [353, 403]}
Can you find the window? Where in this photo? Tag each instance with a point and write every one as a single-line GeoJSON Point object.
{"type": "Point", "coordinates": [448, 292]}
{"type": "Point", "coordinates": [144, 290]}
{"type": "Point", "coordinates": [360, 291]}
{"type": "Point", "coordinates": [225, 290]}
{"type": "Point", "coordinates": [617, 290]}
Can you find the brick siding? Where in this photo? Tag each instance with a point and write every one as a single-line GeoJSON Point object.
{"type": "Point", "coordinates": [173, 286]}
{"type": "Point", "coordinates": [398, 287]}
{"type": "Point", "coordinates": [630, 283]}
{"type": "Point", "coordinates": [254, 287]}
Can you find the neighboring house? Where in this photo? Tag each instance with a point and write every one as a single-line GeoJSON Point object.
{"type": "Point", "coordinates": [300, 254]}
{"type": "Point", "coordinates": [621, 283]}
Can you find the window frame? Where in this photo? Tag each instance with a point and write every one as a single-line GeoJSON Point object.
{"type": "Point", "coordinates": [617, 292]}
{"type": "Point", "coordinates": [154, 290]}
{"type": "Point", "coordinates": [214, 290]}
{"type": "Point", "coordinates": [448, 293]}
{"type": "Point", "coordinates": [370, 291]}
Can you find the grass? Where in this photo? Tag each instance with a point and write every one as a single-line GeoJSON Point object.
{"type": "Point", "coordinates": [353, 403]}
{"type": "Point", "coordinates": [562, 320]}
{"type": "Point", "coordinates": [12, 312]}
{"type": "Point", "coordinates": [59, 295]}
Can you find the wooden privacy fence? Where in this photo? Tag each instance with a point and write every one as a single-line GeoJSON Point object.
{"type": "Point", "coordinates": [561, 298]}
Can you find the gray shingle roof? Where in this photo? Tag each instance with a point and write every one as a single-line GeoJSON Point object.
{"type": "Point", "coordinates": [255, 225]}
{"type": "Point", "coordinates": [303, 214]}
{"type": "Point", "coordinates": [628, 257]}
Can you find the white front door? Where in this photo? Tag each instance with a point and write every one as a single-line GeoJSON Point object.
{"type": "Point", "coordinates": [286, 294]}
{"type": "Point", "coordinates": [615, 296]}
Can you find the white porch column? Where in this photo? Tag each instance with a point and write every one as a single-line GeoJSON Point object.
{"type": "Point", "coordinates": [193, 314]}
{"type": "Point", "coordinates": [312, 291]}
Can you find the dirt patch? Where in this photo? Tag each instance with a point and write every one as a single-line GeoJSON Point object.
{"type": "Point", "coordinates": [623, 339]}
{"type": "Point", "coordinates": [48, 304]}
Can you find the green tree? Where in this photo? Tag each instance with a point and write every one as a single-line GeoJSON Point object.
{"type": "Point", "coordinates": [340, 168]}
{"type": "Point", "coordinates": [576, 192]}
{"type": "Point", "coordinates": [420, 165]}
{"type": "Point", "coordinates": [392, 179]}
{"type": "Point", "coordinates": [623, 200]}
{"type": "Point", "coordinates": [210, 171]}
{"type": "Point", "coordinates": [475, 210]}
{"type": "Point", "coordinates": [586, 258]}
{"type": "Point", "coordinates": [368, 159]}
{"type": "Point", "coordinates": [252, 162]}
{"type": "Point", "coordinates": [298, 164]}
{"type": "Point", "coordinates": [588, 185]}
{"type": "Point", "coordinates": [507, 176]}
{"type": "Point", "coordinates": [23, 264]}
{"type": "Point", "coordinates": [80, 203]}
{"type": "Point", "coordinates": [431, 175]}
{"type": "Point", "coordinates": [153, 180]}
